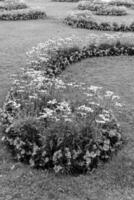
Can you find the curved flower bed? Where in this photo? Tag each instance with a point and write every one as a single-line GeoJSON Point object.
{"type": "Point", "coordinates": [83, 21]}
{"type": "Point", "coordinates": [112, 11]}
{"type": "Point", "coordinates": [22, 14]}
{"type": "Point", "coordinates": [44, 127]}
{"type": "Point", "coordinates": [12, 5]}
{"type": "Point", "coordinates": [95, 5]}
{"type": "Point", "coordinates": [87, 5]}
{"type": "Point", "coordinates": [103, 8]}
{"type": "Point", "coordinates": [66, 0]}
{"type": "Point", "coordinates": [126, 3]}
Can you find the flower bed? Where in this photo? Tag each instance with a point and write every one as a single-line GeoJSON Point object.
{"type": "Point", "coordinates": [83, 21]}
{"type": "Point", "coordinates": [47, 129]}
{"type": "Point", "coordinates": [12, 5]}
{"type": "Point", "coordinates": [66, 0]}
{"type": "Point", "coordinates": [102, 8]}
{"type": "Point", "coordinates": [111, 11]}
{"type": "Point", "coordinates": [126, 3]}
{"type": "Point", "coordinates": [87, 5]}
{"type": "Point", "coordinates": [22, 14]}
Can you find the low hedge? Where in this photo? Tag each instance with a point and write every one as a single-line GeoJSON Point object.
{"type": "Point", "coordinates": [83, 21]}
{"type": "Point", "coordinates": [22, 14]}
{"type": "Point", "coordinates": [44, 128]}
{"type": "Point", "coordinates": [111, 11]}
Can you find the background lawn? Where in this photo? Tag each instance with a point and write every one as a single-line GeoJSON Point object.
{"type": "Point", "coordinates": [112, 181]}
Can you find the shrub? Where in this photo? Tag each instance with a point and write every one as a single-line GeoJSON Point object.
{"type": "Point", "coordinates": [41, 124]}
{"type": "Point", "coordinates": [84, 21]}
{"type": "Point", "coordinates": [111, 10]}
{"type": "Point", "coordinates": [23, 14]}
{"type": "Point", "coordinates": [12, 5]}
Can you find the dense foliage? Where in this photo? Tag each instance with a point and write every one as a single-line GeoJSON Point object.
{"type": "Point", "coordinates": [87, 5]}
{"type": "Point", "coordinates": [111, 10]}
{"type": "Point", "coordinates": [82, 20]}
{"type": "Point", "coordinates": [126, 3]}
{"type": "Point", "coordinates": [66, 0]}
{"type": "Point", "coordinates": [22, 14]}
{"type": "Point", "coordinates": [46, 128]}
{"type": "Point", "coordinates": [12, 5]}
{"type": "Point", "coordinates": [102, 8]}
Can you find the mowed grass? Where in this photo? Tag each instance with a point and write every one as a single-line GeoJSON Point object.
{"type": "Point", "coordinates": [112, 181]}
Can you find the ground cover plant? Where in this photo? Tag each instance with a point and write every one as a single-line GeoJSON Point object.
{"type": "Point", "coordinates": [82, 20]}
{"type": "Point", "coordinates": [44, 128]}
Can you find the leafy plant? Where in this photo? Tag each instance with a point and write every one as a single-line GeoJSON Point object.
{"type": "Point", "coordinates": [22, 14]}
{"type": "Point", "coordinates": [85, 20]}
{"type": "Point", "coordinates": [44, 127]}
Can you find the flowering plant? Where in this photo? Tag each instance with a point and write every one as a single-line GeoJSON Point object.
{"type": "Point", "coordinates": [45, 127]}
{"type": "Point", "coordinates": [84, 21]}
{"type": "Point", "coordinates": [112, 10]}
{"type": "Point", "coordinates": [22, 14]}
{"type": "Point", "coordinates": [13, 5]}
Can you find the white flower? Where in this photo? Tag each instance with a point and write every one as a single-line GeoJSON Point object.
{"type": "Point", "coordinates": [118, 104]}
{"type": "Point", "coordinates": [104, 117]}
{"type": "Point", "coordinates": [88, 94]}
{"type": "Point", "coordinates": [64, 106]}
{"type": "Point", "coordinates": [85, 108]}
{"type": "Point", "coordinates": [54, 101]}
{"type": "Point", "coordinates": [115, 97]}
{"type": "Point", "coordinates": [94, 88]}
{"type": "Point", "coordinates": [109, 93]}
{"type": "Point", "coordinates": [100, 121]}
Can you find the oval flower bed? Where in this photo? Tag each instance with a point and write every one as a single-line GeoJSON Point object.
{"type": "Point", "coordinates": [126, 3]}
{"type": "Point", "coordinates": [22, 14]}
{"type": "Point", "coordinates": [44, 127]}
{"type": "Point", "coordinates": [112, 11]}
{"type": "Point", "coordinates": [66, 0]}
{"type": "Point", "coordinates": [87, 5]}
{"type": "Point", "coordinates": [103, 8]}
{"type": "Point", "coordinates": [12, 5]}
{"type": "Point", "coordinates": [82, 20]}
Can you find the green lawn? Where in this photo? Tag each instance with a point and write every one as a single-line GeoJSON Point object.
{"type": "Point", "coordinates": [112, 181]}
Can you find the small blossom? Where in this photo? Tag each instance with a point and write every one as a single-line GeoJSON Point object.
{"type": "Point", "coordinates": [85, 108]}
{"type": "Point", "coordinates": [109, 93]}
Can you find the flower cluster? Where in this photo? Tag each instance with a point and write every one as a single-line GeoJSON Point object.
{"type": "Point", "coordinates": [45, 127]}
{"type": "Point", "coordinates": [22, 14]}
{"type": "Point", "coordinates": [84, 21]}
